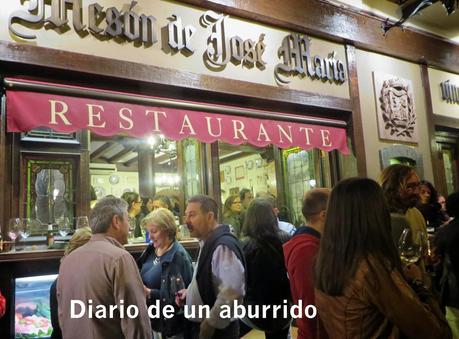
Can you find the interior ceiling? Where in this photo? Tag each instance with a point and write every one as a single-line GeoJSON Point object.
{"type": "Point", "coordinates": [433, 19]}
{"type": "Point", "coordinates": [123, 152]}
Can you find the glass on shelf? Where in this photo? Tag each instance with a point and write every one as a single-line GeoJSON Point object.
{"type": "Point", "coordinates": [63, 226]}
{"type": "Point", "coordinates": [25, 228]}
{"type": "Point", "coordinates": [14, 227]}
{"type": "Point", "coordinates": [81, 222]}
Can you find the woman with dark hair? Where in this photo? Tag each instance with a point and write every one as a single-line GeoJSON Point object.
{"type": "Point", "coordinates": [134, 208]}
{"type": "Point", "coordinates": [232, 213]}
{"type": "Point", "coordinates": [428, 205]}
{"type": "Point", "coordinates": [267, 281]}
{"type": "Point", "coordinates": [361, 291]}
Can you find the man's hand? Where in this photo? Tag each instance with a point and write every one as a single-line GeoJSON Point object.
{"type": "Point", "coordinates": [147, 291]}
{"type": "Point", "coordinates": [412, 272]}
{"type": "Point", "coordinates": [206, 330]}
{"type": "Point", "coordinates": [180, 297]}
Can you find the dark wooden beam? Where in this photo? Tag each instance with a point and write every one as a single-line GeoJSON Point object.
{"type": "Point", "coordinates": [438, 171]}
{"type": "Point", "coordinates": [344, 25]}
{"type": "Point", "coordinates": [356, 125]}
{"type": "Point", "coordinates": [121, 154]}
{"type": "Point", "coordinates": [98, 153]}
{"type": "Point", "coordinates": [234, 157]}
{"type": "Point", "coordinates": [130, 162]}
{"type": "Point", "coordinates": [447, 122]}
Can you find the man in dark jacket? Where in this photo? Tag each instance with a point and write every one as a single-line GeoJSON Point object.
{"type": "Point", "coordinates": [219, 277]}
{"type": "Point", "coordinates": [300, 253]}
{"type": "Point", "coordinates": [446, 244]}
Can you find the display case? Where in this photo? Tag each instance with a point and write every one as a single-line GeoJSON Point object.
{"type": "Point", "coordinates": [32, 317]}
{"type": "Point", "coordinates": [25, 279]}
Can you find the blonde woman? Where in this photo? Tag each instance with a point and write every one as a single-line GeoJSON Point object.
{"type": "Point", "coordinates": [79, 238]}
{"type": "Point", "coordinates": [165, 267]}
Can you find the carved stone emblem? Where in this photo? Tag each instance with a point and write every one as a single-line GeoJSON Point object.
{"type": "Point", "coordinates": [395, 106]}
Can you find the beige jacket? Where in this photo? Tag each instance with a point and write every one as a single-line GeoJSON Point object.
{"type": "Point", "coordinates": [101, 271]}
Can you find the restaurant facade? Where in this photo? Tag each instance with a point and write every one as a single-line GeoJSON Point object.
{"type": "Point", "coordinates": [178, 98]}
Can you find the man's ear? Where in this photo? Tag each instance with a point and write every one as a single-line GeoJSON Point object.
{"type": "Point", "coordinates": [323, 214]}
{"type": "Point", "coordinates": [116, 222]}
{"type": "Point", "coordinates": [210, 216]}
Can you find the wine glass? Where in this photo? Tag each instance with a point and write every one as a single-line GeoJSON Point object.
{"type": "Point", "coordinates": [63, 224]}
{"type": "Point", "coordinates": [24, 229]}
{"type": "Point", "coordinates": [14, 225]}
{"type": "Point", "coordinates": [177, 284]}
{"type": "Point", "coordinates": [82, 222]}
{"type": "Point", "coordinates": [410, 246]}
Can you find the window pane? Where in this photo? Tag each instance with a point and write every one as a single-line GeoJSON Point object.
{"type": "Point", "coordinates": [449, 170]}
{"type": "Point", "coordinates": [147, 166]}
{"type": "Point", "coordinates": [301, 170]}
{"type": "Point", "coordinates": [49, 190]}
{"type": "Point", "coordinates": [244, 167]}
{"type": "Point", "coordinates": [192, 168]}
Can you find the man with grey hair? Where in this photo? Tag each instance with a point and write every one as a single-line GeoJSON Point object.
{"type": "Point", "coordinates": [101, 275]}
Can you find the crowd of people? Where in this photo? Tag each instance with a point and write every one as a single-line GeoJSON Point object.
{"type": "Point", "coordinates": [345, 260]}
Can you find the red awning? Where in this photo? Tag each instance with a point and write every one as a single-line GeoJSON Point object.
{"type": "Point", "coordinates": [27, 110]}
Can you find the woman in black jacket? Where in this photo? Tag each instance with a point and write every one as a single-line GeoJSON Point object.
{"type": "Point", "coordinates": [165, 267]}
{"type": "Point", "coordinates": [267, 281]}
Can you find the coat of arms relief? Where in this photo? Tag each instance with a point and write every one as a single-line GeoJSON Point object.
{"type": "Point", "coordinates": [395, 108]}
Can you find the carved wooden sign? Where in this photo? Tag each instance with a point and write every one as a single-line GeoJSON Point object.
{"type": "Point", "coordinates": [295, 55]}
{"type": "Point", "coordinates": [450, 92]}
{"type": "Point", "coordinates": [395, 108]}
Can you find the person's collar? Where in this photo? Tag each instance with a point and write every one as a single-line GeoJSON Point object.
{"type": "Point", "coordinates": [307, 230]}
{"type": "Point", "coordinates": [105, 237]}
{"type": "Point", "coordinates": [219, 227]}
{"type": "Point", "coordinates": [169, 255]}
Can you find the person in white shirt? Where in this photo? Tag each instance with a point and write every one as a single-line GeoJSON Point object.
{"type": "Point", "coordinates": [219, 278]}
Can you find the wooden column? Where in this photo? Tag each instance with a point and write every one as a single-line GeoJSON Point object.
{"type": "Point", "coordinates": [438, 170]}
{"type": "Point", "coordinates": [83, 189]}
{"type": "Point", "coordinates": [3, 170]}
{"type": "Point", "coordinates": [356, 124]}
{"type": "Point", "coordinates": [146, 163]}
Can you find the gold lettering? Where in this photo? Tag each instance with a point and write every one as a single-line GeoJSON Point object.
{"type": "Point", "coordinates": [92, 114]}
{"type": "Point", "coordinates": [61, 113]}
{"type": "Point", "coordinates": [156, 117]}
{"type": "Point", "coordinates": [239, 130]}
{"type": "Point", "coordinates": [282, 132]}
{"type": "Point", "coordinates": [325, 133]}
{"type": "Point", "coordinates": [125, 118]}
{"type": "Point", "coordinates": [209, 128]}
{"type": "Point", "coordinates": [187, 124]}
{"type": "Point", "coordinates": [262, 131]}
{"type": "Point", "coordinates": [306, 130]}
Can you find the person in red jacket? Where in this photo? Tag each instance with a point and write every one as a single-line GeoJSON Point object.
{"type": "Point", "coordinates": [300, 253]}
{"type": "Point", "coordinates": [2, 305]}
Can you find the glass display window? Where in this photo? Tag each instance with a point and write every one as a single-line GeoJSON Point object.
{"type": "Point", "coordinates": [32, 315]}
